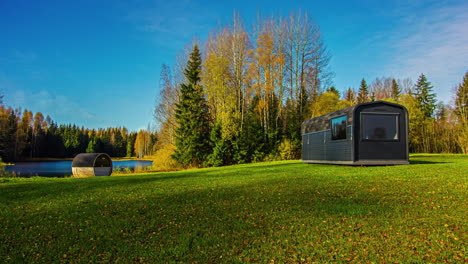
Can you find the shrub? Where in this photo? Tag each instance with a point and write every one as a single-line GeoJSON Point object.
{"type": "Point", "coordinates": [3, 173]}
{"type": "Point", "coordinates": [463, 139]}
{"type": "Point", "coordinates": [286, 150]}
{"type": "Point", "coordinates": [163, 159]}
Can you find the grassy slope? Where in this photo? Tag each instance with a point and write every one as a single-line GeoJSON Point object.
{"type": "Point", "coordinates": [266, 212]}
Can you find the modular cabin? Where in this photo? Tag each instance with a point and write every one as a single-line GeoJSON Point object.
{"type": "Point", "coordinates": [92, 164]}
{"type": "Point", "coordinates": [374, 133]}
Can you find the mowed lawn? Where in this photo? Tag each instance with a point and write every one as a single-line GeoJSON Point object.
{"type": "Point", "coordinates": [277, 212]}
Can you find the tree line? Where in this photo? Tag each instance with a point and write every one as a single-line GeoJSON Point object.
{"type": "Point", "coordinates": [242, 95]}
{"type": "Point", "coordinates": [24, 135]}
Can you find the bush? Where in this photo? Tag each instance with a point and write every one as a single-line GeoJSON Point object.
{"type": "Point", "coordinates": [286, 150]}
{"type": "Point", "coordinates": [163, 159]}
{"type": "Point", "coordinates": [3, 173]}
{"type": "Point", "coordinates": [463, 139]}
{"type": "Point", "coordinates": [258, 156]}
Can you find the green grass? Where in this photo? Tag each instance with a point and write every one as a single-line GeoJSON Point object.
{"type": "Point", "coordinates": [281, 212]}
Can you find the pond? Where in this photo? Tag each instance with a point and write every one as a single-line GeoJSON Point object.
{"type": "Point", "coordinates": [63, 168]}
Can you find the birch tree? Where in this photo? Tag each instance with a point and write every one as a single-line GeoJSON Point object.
{"type": "Point", "coordinates": [164, 112]}
{"type": "Point", "coordinates": [142, 143]}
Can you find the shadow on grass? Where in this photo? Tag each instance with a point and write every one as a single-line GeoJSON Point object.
{"type": "Point", "coordinates": [194, 218]}
{"type": "Point", "coordinates": [262, 198]}
{"type": "Point", "coordinates": [50, 187]}
{"type": "Point", "coordinates": [426, 162]}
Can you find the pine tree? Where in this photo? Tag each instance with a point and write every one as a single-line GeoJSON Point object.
{"type": "Point", "coordinates": [131, 144]}
{"type": "Point", "coordinates": [8, 139]}
{"type": "Point", "coordinates": [425, 96]}
{"type": "Point", "coordinates": [193, 132]}
{"type": "Point", "coordinates": [350, 95]}
{"type": "Point", "coordinates": [91, 148]}
{"type": "Point", "coordinates": [220, 153]}
{"type": "Point", "coordinates": [333, 90]}
{"type": "Point", "coordinates": [396, 91]}
{"type": "Point", "coordinates": [363, 95]}
{"type": "Point", "coordinates": [461, 100]}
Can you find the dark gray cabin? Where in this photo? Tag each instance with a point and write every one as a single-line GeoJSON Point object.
{"type": "Point", "coordinates": [373, 133]}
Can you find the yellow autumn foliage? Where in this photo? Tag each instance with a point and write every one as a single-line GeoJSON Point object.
{"type": "Point", "coordinates": [163, 158]}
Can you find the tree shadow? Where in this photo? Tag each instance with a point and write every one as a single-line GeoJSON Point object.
{"type": "Point", "coordinates": [49, 186]}
{"type": "Point", "coordinates": [426, 162]}
{"type": "Point", "coordinates": [257, 198]}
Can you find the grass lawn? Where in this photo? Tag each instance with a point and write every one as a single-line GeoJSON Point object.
{"type": "Point", "coordinates": [277, 212]}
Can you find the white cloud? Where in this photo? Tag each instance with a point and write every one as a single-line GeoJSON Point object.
{"type": "Point", "coordinates": [61, 108]}
{"type": "Point", "coordinates": [19, 56]}
{"type": "Point", "coordinates": [173, 22]}
{"type": "Point", "coordinates": [433, 43]}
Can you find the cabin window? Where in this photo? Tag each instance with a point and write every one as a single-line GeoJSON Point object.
{"type": "Point", "coordinates": [379, 127]}
{"type": "Point", "coordinates": [338, 127]}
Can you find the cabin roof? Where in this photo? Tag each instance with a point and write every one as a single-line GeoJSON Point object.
{"type": "Point", "coordinates": [92, 160]}
{"type": "Point", "coordinates": [321, 123]}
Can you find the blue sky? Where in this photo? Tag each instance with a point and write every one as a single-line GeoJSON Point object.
{"type": "Point", "coordinates": [56, 56]}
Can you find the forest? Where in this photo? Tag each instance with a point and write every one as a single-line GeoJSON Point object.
{"type": "Point", "coordinates": [241, 96]}
{"type": "Point", "coordinates": [25, 136]}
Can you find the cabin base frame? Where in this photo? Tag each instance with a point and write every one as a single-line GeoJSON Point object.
{"type": "Point", "coordinates": [359, 162]}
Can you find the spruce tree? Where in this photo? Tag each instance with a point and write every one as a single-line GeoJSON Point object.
{"type": "Point", "coordinates": [333, 90]}
{"type": "Point", "coordinates": [350, 95]}
{"type": "Point", "coordinates": [363, 95]}
{"type": "Point", "coordinates": [8, 139]}
{"type": "Point", "coordinates": [91, 148]}
{"type": "Point", "coordinates": [220, 154]}
{"type": "Point", "coordinates": [396, 91]}
{"type": "Point", "coordinates": [461, 100]}
{"type": "Point", "coordinates": [193, 131]}
{"type": "Point", "coordinates": [131, 144]}
{"type": "Point", "coordinates": [424, 94]}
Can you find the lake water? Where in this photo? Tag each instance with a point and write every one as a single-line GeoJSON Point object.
{"type": "Point", "coordinates": [63, 168]}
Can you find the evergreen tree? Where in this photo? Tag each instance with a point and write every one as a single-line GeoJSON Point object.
{"type": "Point", "coordinates": [425, 96]}
{"type": "Point", "coordinates": [193, 131]}
{"type": "Point", "coordinates": [461, 100]}
{"type": "Point", "coordinates": [91, 146]}
{"type": "Point", "coordinates": [131, 144]}
{"type": "Point", "coordinates": [350, 95]}
{"type": "Point", "coordinates": [333, 90]}
{"type": "Point", "coordinates": [363, 95]}
{"type": "Point", "coordinates": [8, 137]}
{"type": "Point", "coordinates": [119, 144]}
{"type": "Point", "coordinates": [251, 144]}
{"type": "Point", "coordinates": [220, 154]}
{"type": "Point", "coordinates": [396, 91]}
